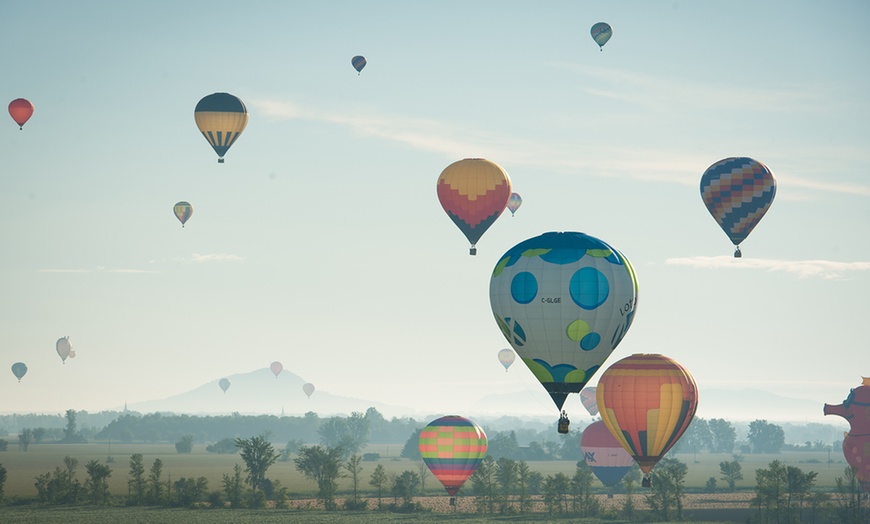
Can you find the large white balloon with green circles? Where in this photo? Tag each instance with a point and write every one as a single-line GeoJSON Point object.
{"type": "Point", "coordinates": [563, 301]}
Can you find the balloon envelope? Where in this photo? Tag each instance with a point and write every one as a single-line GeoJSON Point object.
{"type": "Point", "coordinates": [19, 369]}
{"type": "Point", "coordinates": [63, 348]}
{"type": "Point", "coordinates": [506, 357]}
{"type": "Point", "coordinates": [224, 384]}
{"type": "Point", "coordinates": [647, 402]}
{"type": "Point", "coordinates": [601, 33]}
{"type": "Point", "coordinates": [474, 192]}
{"type": "Point", "coordinates": [358, 62]}
{"type": "Point", "coordinates": [856, 444]}
{"type": "Point", "coordinates": [308, 389]}
{"type": "Point", "coordinates": [221, 118]}
{"type": "Point", "coordinates": [276, 368]}
{"type": "Point", "coordinates": [738, 192]}
{"type": "Point", "coordinates": [563, 301]}
{"type": "Point", "coordinates": [587, 398]}
{"type": "Point", "coordinates": [514, 203]}
{"type": "Point", "coordinates": [452, 447]}
{"type": "Point", "coordinates": [604, 454]}
{"type": "Point", "coordinates": [20, 110]}
{"type": "Point", "coordinates": [183, 211]}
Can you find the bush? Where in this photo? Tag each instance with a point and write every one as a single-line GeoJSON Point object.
{"type": "Point", "coordinates": [185, 445]}
{"type": "Point", "coordinates": [225, 446]}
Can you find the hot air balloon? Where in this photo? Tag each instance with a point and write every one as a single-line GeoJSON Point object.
{"type": "Point", "coordinates": [514, 203]}
{"type": "Point", "coordinates": [587, 398]}
{"type": "Point", "coordinates": [19, 369]}
{"type": "Point", "coordinates": [856, 443]}
{"type": "Point", "coordinates": [221, 117]}
{"type": "Point", "coordinates": [308, 389]}
{"type": "Point", "coordinates": [563, 301]}
{"type": "Point", "coordinates": [506, 357]}
{"type": "Point", "coordinates": [63, 348]}
{"type": "Point", "coordinates": [224, 384]}
{"type": "Point", "coordinates": [601, 33]}
{"type": "Point", "coordinates": [604, 454]}
{"type": "Point", "coordinates": [738, 192]}
{"type": "Point", "coordinates": [276, 368]}
{"type": "Point", "coordinates": [183, 211]}
{"type": "Point", "coordinates": [20, 110]}
{"type": "Point", "coordinates": [452, 447]}
{"type": "Point", "coordinates": [358, 62]}
{"type": "Point", "coordinates": [647, 401]}
{"type": "Point", "coordinates": [474, 192]}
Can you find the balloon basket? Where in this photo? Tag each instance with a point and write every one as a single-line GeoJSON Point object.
{"type": "Point", "coordinates": [453, 501]}
{"type": "Point", "coordinates": [647, 481]}
{"type": "Point", "coordinates": [737, 253]}
{"type": "Point", "coordinates": [472, 250]}
{"type": "Point", "coordinates": [220, 160]}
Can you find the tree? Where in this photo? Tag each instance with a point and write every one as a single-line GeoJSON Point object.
{"type": "Point", "coordinates": [731, 473]}
{"type": "Point", "coordinates": [38, 435]}
{"type": "Point", "coordinates": [556, 488]}
{"type": "Point", "coordinates": [722, 434]}
{"type": "Point", "coordinates": [411, 449]}
{"type": "Point", "coordinates": [379, 481]}
{"type": "Point", "coordinates": [353, 471]}
{"type": "Point", "coordinates": [696, 438]}
{"type": "Point", "coordinates": [233, 487]}
{"type": "Point", "coordinates": [155, 482]}
{"type": "Point", "coordinates": [765, 437]}
{"type": "Point", "coordinates": [350, 434]}
{"type": "Point", "coordinates": [97, 483]}
{"type": "Point", "coordinates": [258, 454]}
{"type": "Point", "coordinates": [503, 444]}
{"type": "Point", "coordinates": [189, 491]}
{"type": "Point", "coordinates": [581, 484]}
{"type": "Point", "coordinates": [405, 486]}
{"type": "Point", "coordinates": [185, 444]}
{"type": "Point", "coordinates": [70, 433]}
{"type": "Point", "coordinates": [73, 484]}
{"type": "Point", "coordinates": [423, 473]}
{"type": "Point", "coordinates": [483, 484]}
{"type": "Point", "coordinates": [667, 490]}
{"type": "Point", "coordinates": [25, 438]}
{"type": "Point", "coordinates": [322, 465]}
{"type": "Point", "coordinates": [506, 476]}
{"type": "Point", "coordinates": [2, 480]}
{"type": "Point", "coordinates": [523, 487]}
{"type": "Point", "coordinates": [225, 446]}
{"type": "Point", "coordinates": [849, 506]}
{"type": "Point", "coordinates": [136, 484]}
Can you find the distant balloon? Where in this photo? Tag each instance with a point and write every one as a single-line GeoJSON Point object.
{"type": "Point", "coordinates": [452, 447]}
{"type": "Point", "coordinates": [856, 444]}
{"type": "Point", "coordinates": [506, 357]}
{"type": "Point", "coordinates": [738, 192]}
{"type": "Point", "coordinates": [221, 118]}
{"type": "Point", "coordinates": [182, 211]}
{"type": "Point", "coordinates": [276, 368]}
{"type": "Point", "coordinates": [647, 402]}
{"type": "Point", "coordinates": [358, 62]}
{"type": "Point", "coordinates": [563, 301]}
{"type": "Point", "coordinates": [20, 110]}
{"type": "Point", "coordinates": [587, 398]}
{"type": "Point", "coordinates": [308, 389]}
{"type": "Point", "coordinates": [19, 369]}
{"type": "Point", "coordinates": [224, 384]}
{"type": "Point", "coordinates": [604, 454]}
{"type": "Point", "coordinates": [63, 348]}
{"type": "Point", "coordinates": [474, 192]}
{"type": "Point", "coordinates": [514, 203]}
{"type": "Point", "coordinates": [601, 33]}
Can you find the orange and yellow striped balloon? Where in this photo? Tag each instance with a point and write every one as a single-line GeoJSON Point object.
{"type": "Point", "coordinates": [474, 192]}
{"type": "Point", "coordinates": [647, 401]}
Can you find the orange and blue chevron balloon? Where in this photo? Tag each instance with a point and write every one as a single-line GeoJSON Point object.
{"type": "Point", "coordinates": [474, 192]}
{"type": "Point", "coordinates": [647, 402]}
{"type": "Point", "coordinates": [452, 447]}
{"type": "Point", "coordinates": [738, 192]}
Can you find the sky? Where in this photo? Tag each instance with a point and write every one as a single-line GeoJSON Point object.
{"type": "Point", "coordinates": [321, 243]}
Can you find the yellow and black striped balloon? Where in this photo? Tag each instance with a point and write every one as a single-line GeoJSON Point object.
{"type": "Point", "coordinates": [221, 117]}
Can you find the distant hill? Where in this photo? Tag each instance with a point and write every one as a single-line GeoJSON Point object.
{"type": "Point", "coordinates": [260, 392]}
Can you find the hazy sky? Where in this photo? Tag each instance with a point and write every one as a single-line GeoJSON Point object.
{"type": "Point", "coordinates": [321, 243]}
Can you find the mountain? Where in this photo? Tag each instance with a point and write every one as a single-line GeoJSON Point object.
{"type": "Point", "coordinates": [261, 392]}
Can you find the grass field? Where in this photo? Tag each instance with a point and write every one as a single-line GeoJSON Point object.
{"type": "Point", "coordinates": [23, 467]}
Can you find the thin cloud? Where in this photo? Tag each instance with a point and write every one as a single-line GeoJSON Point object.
{"type": "Point", "coordinates": [97, 270]}
{"type": "Point", "coordinates": [824, 269]}
{"type": "Point", "coordinates": [215, 257]}
{"type": "Point", "coordinates": [456, 141]}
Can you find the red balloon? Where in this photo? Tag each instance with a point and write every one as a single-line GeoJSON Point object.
{"type": "Point", "coordinates": [21, 110]}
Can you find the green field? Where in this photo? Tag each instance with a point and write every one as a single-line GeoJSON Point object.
{"type": "Point", "coordinates": [23, 467]}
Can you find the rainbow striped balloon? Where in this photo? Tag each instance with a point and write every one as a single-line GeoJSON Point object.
{"type": "Point", "coordinates": [452, 447]}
